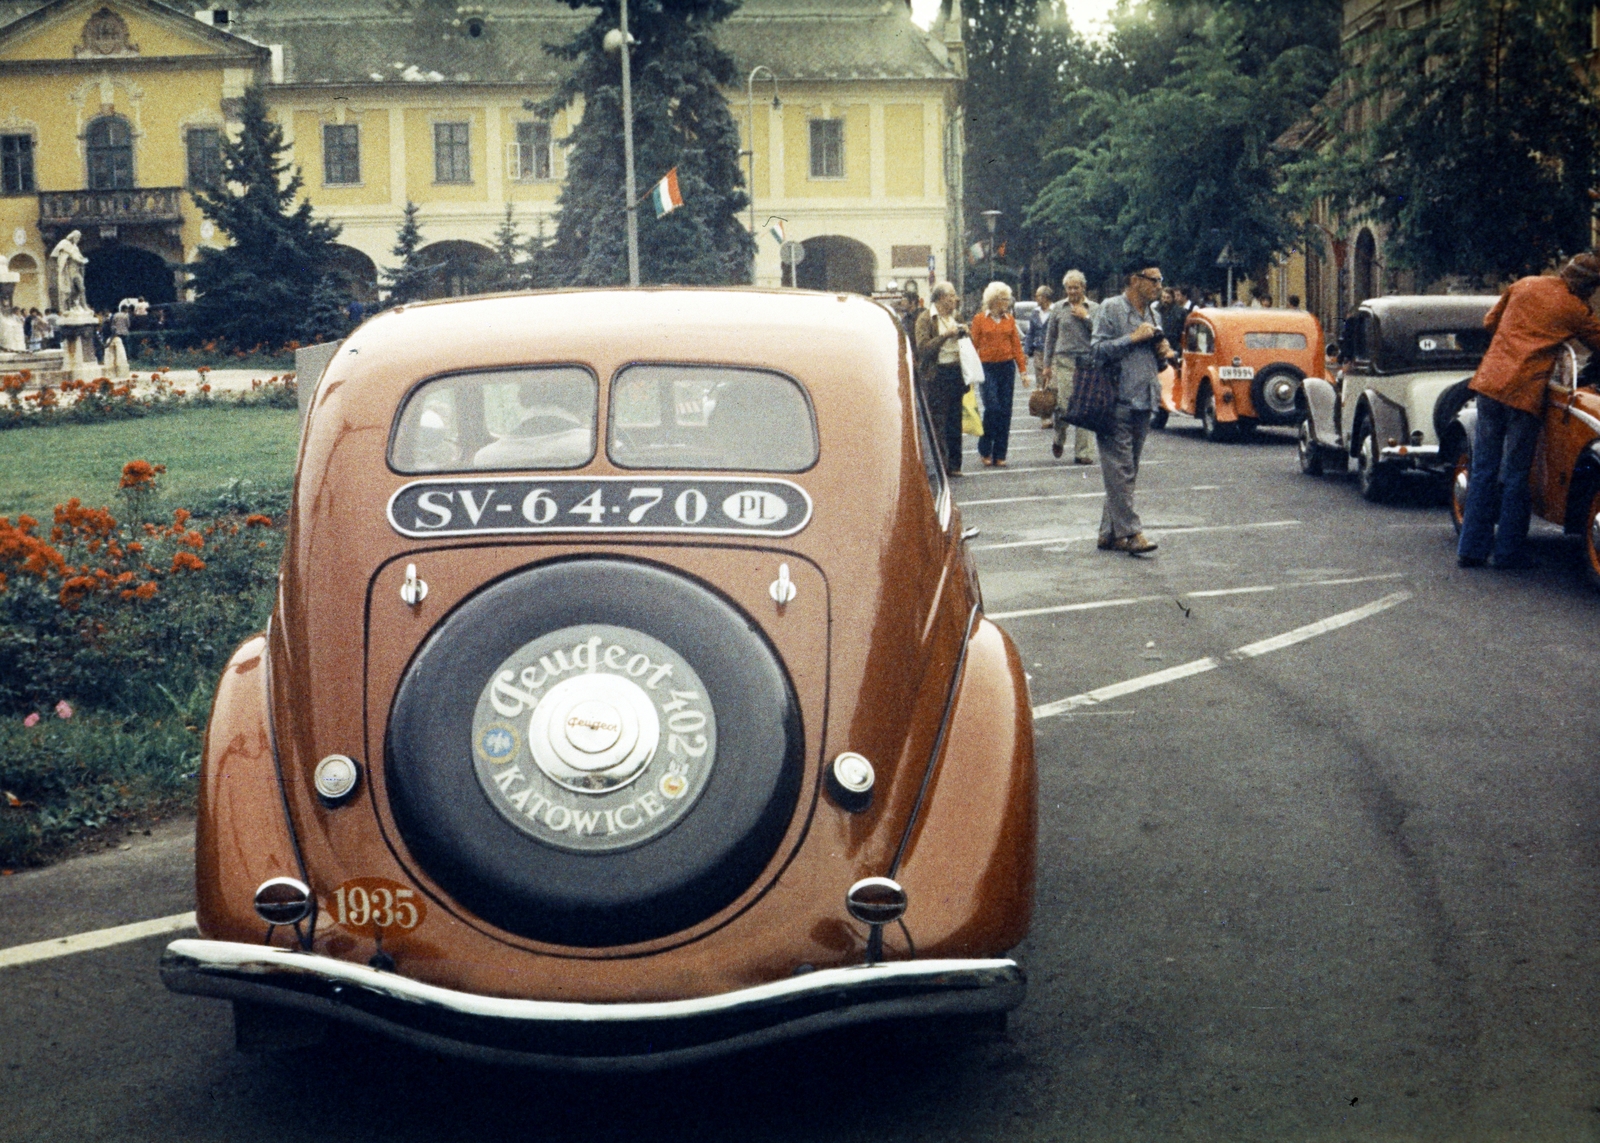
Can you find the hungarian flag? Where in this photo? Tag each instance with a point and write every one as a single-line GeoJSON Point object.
{"type": "Point", "coordinates": [775, 228]}
{"type": "Point", "coordinates": [666, 197]}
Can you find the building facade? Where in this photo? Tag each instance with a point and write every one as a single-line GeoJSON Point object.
{"type": "Point", "coordinates": [111, 112]}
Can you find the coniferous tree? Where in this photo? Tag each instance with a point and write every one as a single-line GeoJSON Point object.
{"type": "Point", "coordinates": [1472, 135]}
{"type": "Point", "coordinates": [507, 267]}
{"type": "Point", "coordinates": [413, 277]}
{"type": "Point", "coordinates": [254, 291]}
{"type": "Point", "coordinates": [680, 120]}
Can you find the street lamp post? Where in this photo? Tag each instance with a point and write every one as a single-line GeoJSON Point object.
{"type": "Point", "coordinates": [777, 105]}
{"type": "Point", "coordinates": [992, 219]}
{"type": "Point", "coordinates": [618, 40]}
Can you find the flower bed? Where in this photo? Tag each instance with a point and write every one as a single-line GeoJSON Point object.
{"type": "Point", "coordinates": [119, 628]}
{"type": "Point", "coordinates": [85, 402]}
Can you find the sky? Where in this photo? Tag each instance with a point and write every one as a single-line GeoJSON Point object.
{"type": "Point", "coordinates": [1084, 14]}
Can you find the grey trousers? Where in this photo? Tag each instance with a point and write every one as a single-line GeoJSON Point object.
{"type": "Point", "coordinates": [1063, 372]}
{"type": "Point", "coordinates": [1119, 465]}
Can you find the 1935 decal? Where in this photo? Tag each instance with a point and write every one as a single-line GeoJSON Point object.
{"type": "Point", "coordinates": [599, 504]}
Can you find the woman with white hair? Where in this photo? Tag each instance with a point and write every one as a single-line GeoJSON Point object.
{"type": "Point", "coordinates": [999, 346]}
{"type": "Point", "coordinates": [1067, 342]}
{"type": "Point", "coordinates": [936, 337]}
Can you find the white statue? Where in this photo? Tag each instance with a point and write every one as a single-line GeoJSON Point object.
{"type": "Point", "coordinates": [70, 262]}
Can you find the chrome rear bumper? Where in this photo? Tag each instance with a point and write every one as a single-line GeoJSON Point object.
{"type": "Point", "coordinates": [589, 1037]}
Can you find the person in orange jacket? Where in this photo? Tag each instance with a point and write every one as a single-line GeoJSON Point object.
{"type": "Point", "coordinates": [1527, 326]}
{"type": "Point", "coordinates": [999, 346]}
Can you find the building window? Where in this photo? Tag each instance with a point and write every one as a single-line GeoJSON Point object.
{"type": "Point", "coordinates": [341, 153]}
{"type": "Point", "coordinates": [109, 142]}
{"type": "Point", "coordinates": [16, 163]}
{"type": "Point", "coordinates": [529, 156]}
{"type": "Point", "coordinates": [452, 162]}
{"type": "Point", "coordinates": [204, 145]}
{"type": "Point", "coordinates": [827, 148]}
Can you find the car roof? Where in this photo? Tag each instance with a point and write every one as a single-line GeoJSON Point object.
{"type": "Point", "coordinates": [1258, 318]}
{"type": "Point", "coordinates": [1415, 313]}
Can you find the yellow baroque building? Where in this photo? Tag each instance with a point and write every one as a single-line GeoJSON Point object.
{"type": "Point", "coordinates": [111, 111]}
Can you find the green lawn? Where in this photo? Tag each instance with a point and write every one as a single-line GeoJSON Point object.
{"type": "Point", "coordinates": [203, 449]}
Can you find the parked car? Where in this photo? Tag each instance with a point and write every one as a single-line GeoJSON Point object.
{"type": "Point", "coordinates": [1407, 360]}
{"type": "Point", "coordinates": [1242, 368]}
{"type": "Point", "coordinates": [628, 698]}
{"type": "Point", "coordinates": [1565, 479]}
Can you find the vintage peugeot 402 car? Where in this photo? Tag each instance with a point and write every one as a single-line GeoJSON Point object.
{"type": "Point", "coordinates": [1408, 359]}
{"type": "Point", "coordinates": [628, 697]}
{"type": "Point", "coordinates": [1564, 483]}
{"type": "Point", "coordinates": [1243, 367]}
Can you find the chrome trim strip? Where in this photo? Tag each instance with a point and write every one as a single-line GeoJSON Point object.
{"type": "Point", "coordinates": [1392, 452]}
{"type": "Point", "coordinates": [938, 743]}
{"type": "Point", "coordinates": [600, 1037]}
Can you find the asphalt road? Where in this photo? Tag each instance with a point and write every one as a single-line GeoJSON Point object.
{"type": "Point", "coordinates": [1335, 886]}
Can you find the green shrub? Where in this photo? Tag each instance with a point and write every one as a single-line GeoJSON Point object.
{"type": "Point", "coordinates": [62, 776]}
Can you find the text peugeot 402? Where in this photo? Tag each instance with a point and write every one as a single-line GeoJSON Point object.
{"type": "Point", "coordinates": [628, 696]}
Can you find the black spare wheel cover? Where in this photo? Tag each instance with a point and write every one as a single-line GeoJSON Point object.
{"type": "Point", "coordinates": [594, 752]}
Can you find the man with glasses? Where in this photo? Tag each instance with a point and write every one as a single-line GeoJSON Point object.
{"type": "Point", "coordinates": [1127, 341]}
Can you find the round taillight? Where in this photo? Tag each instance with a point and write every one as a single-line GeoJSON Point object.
{"type": "Point", "coordinates": [336, 777]}
{"type": "Point", "coordinates": [850, 781]}
{"type": "Point", "coordinates": [283, 901]}
{"type": "Point", "coordinates": [876, 901]}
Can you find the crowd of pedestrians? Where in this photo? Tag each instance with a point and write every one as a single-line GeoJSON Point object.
{"type": "Point", "coordinates": [1132, 336]}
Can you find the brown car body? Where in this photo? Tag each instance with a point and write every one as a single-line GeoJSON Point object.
{"type": "Point", "coordinates": [1564, 482]}
{"type": "Point", "coordinates": [884, 644]}
{"type": "Point", "coordinates": [1231, 384]}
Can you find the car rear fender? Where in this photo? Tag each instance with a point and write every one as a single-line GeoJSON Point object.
{"type": "Point", "coordinates": [242, 832]}
{"type": "Point", "coordinates": [977, 896]}
{"type": "Point", "coordinates": [1322, 411]}
{"type": "Point", "coordinates": [1585, 483]}
{"type": "Point", "coordinates": [1387, 417]}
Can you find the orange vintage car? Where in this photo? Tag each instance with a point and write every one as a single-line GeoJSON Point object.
{"type": "Point", "coordinates": [1242, 367]}
{"type": "Point", "coordinates": [1564, 483]}
{"type": "Point", "coordinates": [628, 697]}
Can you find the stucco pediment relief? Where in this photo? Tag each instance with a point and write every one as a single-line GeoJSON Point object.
{"type": "Point", "coordinates": [105, 36]}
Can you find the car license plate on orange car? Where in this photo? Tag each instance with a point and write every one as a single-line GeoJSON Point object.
{"type": "Point", "coordinates": [1236, 373]}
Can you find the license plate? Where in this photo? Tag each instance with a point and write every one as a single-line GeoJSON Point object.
{"type": "Point", "coordinates": [1236, 373]}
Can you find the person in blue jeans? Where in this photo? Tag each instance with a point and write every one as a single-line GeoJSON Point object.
{"type": "Point", "coordinates": [1528, 325]}
{"type": "Point", "coordinates": [999, 345]}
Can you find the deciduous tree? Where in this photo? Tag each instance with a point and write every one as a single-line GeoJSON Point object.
{"type": "Point", "coordinates": [1472, 135]}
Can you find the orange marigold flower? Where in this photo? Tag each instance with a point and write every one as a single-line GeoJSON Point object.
{"type": "Point", "coordinates": [137, 473]}
{"type": "Point", "coordinates": [187, 561]}
{"type": "Point", "coordinates": [194, 539]}
{"type": "Point", "coordinates": [180, 516]}
{"type": "Point", "coordinates": [135, 547]}
{"type": "Point", "coordinates": [257, 520]}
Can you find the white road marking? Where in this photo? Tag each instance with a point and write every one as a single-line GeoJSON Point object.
{"type": "Point", "coordinates": [1126, 601]}
{"type": "Point", "coordinates": [99, 939]}
{"type": "Point", "coordinates": [1148, 531]}
{"type": "Point", "coordinates": [1080, 495]}
{"type": "Point", "coordinates": [1211, 663]}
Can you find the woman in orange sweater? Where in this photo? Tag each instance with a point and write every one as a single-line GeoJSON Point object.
{"type": "Point", "coordinates": [995, 337]}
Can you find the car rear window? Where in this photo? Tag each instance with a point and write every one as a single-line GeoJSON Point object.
{"type": "Point", "coordinates": [1274, 341]}
{"type": "Point", "coordinates": [710, 417]}
{"type": "Point", "coordinates": [499, 420]}
{"type": "Point", "coordinates": [1452, 342]}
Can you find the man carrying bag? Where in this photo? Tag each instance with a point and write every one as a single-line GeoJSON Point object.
{"type": "Point", "coordinates": [1128, 353]}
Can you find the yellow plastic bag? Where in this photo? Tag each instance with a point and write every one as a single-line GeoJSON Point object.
{"type": "Point", "coordinates": [971, 423]}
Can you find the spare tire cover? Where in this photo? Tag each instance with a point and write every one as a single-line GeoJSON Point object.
{"type": "Point", "coordinates": [594, 752]}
